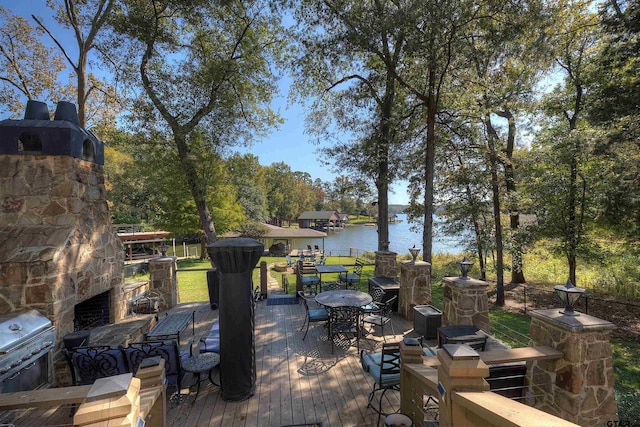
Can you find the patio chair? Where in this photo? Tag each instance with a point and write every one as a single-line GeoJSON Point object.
{"type": "Point", "coordinates": [333, 286]}
{"type": "Point", "coordinates": [354, 277]}
{"type": "Point", "coordinates": [88, 364]}
{"type": "Point", "coordinates": [168, 350]}
{"type": "Point", "coordinates": [377, 295]}
{"type": "Point", "coordinates": [308, 281]}
{"type": "Point", "coordinates": [344, 321]}
{"type": "Point", "coordinates": [381, 317]}
{"type": "Point", "coordinates": [384, 367]}
{"type": "Point", "coordinates": [312, 315]}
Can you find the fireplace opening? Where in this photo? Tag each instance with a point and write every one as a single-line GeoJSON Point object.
{"type": "Point", "coordinates": [92, 312]}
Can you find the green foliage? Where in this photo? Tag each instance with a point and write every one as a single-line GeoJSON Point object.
{"type": "Point", "coordinates": [627, 376]}
{"type": "Point", "coordinates": [29, 68]}
{"type": "Point", "coordinates": [253, 229]}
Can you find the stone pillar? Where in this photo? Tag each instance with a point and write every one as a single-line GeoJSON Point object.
{"type": "Point", "coordinates": [164, 279]}
{"type": "Point", "coordinates": [580, 386]}
{"type": "Point", "coordinates": [460, 369]}
{"type": "Point", "coordinates": [415, 286]}
{"type": "Point", "coordinates": [465, 302]}
{"type": "Point", "coordinates": [386, 265]}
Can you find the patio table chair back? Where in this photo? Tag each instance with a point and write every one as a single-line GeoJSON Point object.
{"type": "Point", "coordinates": [344, 321]}
{"type": "Point", "coordinates": [354, 277]}
{"type": "Point", "coordinates": [382, 316]}
{"type": "Point", "coordinates": [384, 367]}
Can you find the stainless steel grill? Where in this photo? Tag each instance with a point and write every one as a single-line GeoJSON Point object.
{"type": "Point", "coordinates": [26, 338]}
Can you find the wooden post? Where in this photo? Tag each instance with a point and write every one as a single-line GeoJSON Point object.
{"type": "Point", "coordinates": [122, 399]}
{"type": "Point", "coordinates": [460, 370]}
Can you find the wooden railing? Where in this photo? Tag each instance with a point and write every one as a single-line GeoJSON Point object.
{"type": "Point", "coordinates": [459, 385]}
{"type": "Point", "coordinates": [119, 400]}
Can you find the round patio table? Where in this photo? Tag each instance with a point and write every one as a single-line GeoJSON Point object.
{"type": "Point", "coordinates": [343, 297]}
{"type": "Point", "coordinates": [199, 364]}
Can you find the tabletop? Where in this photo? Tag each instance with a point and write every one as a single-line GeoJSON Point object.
{"type": "Point", "coordinates": [201, 362]}
{"type": "Point", "coordinates": [343, 297]}
{"type": "Point", "coordinates": [171, 324]}
{"type": "Point", "coordinates": [333, 268]}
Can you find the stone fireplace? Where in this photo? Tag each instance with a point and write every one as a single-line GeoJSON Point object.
{"type": "Point", "coordinates": [57, 244]}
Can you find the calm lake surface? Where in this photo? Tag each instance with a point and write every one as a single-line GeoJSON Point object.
{"type": "Point", "coordinates": [365, 238]}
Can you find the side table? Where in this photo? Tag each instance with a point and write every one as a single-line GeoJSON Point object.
{"type": "Point", "coordinates": [200, 363]}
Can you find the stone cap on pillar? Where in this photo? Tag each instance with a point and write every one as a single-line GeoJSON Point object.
{"type": "Point", "coordinates": [236, 255]}
{"type": "Point", "coordinates": [464, 282]}
{"type": "Point", "coordinates": [581, 323]}
{"type": "Point", "coordinates": [461, 352]}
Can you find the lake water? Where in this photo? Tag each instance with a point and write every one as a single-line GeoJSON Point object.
{"type": "Point", "coordinates": [364, 238]}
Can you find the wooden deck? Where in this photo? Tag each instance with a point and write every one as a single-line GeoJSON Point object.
{"type": "Point", "coordinates": [298, 382]}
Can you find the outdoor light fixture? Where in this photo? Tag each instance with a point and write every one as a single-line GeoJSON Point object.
{"type": "Point", "coordinates": [163, 249]}
{"type": "Point", "coordinates": [414, 252]}
{"type": "Point", "coordinates": [569, 295]}
{"type": "Point", "coordinates": [465, 267]}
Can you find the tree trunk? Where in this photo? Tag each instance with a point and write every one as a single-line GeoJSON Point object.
{"type": "Point", "coordinates": [196, 187]}
{"type": "Point", "coordinates": [480, 247]}
{"type": "Point", "coordinates": [430, 161]}
{"type": "Point", "coordinates": [517, 273]}
{"type": "Point", "coordinates": [382, 181]}
{"type": "Point", "coordinates": [495, 187]}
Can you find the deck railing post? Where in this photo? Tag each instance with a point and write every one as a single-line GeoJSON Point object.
{"type": "Point", "coordinates": [580, 386]}
{"type": "Point", "coordinates": [460, 370]}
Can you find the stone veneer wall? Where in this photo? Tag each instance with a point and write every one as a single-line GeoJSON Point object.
{"type": "Point", "coordinates": [386, 264]}
{"type": "Point", "coordinates": [164, 280]}
{"type": "Point", "coordinates": [57, 245]}
{"type": "Point", "coordinates": [415, 286]}
{"type": "Point", "coordinates": [580, 386]}
{"type": "Point", "coordinates": [465, 302]}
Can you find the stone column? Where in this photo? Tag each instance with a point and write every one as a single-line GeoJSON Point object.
{"type": "Point", "coordinates": [164, 279]}
{"type": "Point", "coordinates": [386, 265]}
{"type": "Point", "coordinates": [415, 286]}
{"type": "Point", "coordinates": [580, 386]}
{"type": "Point", "coordinates": [465, 302]}
{"type": "Point", "coordinates": [460, 369]}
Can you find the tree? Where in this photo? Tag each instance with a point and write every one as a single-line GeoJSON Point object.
{"type": "Point", "coordinates": [613, 107]}
{"type": "Point", "coordinates": [565, 212]}
{"type": "Point", "coordinates": [29, 69]}
{"type": "Point", "coordinates": [434, 50]}
{"type": "Point", "coordinates": [347, 66]}
{"type": "Point", "coordinates": [204, 69]}
{"type": "Point", "coordinates": [85, 19]}
{"type": "Point", "coordinates": [249, 179]}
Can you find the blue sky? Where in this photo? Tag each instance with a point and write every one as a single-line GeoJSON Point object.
{"type": "Point", "coordinates": [288, 143]}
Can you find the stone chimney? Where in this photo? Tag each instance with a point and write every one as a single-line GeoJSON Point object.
{"type": "Point", "coordinates": [57, 244]}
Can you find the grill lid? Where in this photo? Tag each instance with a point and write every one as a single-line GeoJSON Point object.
{"type": "Point", "coordinates": [19, 327]}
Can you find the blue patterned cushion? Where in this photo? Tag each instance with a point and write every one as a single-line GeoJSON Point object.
{"type": "Point", "coordinates": [92, 363]}
{"type": "Point", "coordinates": [168, 350]}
